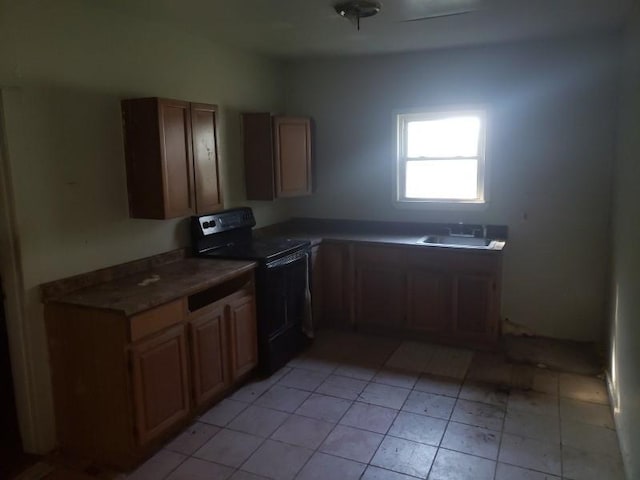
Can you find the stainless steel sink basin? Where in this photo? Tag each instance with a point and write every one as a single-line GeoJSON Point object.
{"type": "Point", "coordinates": [458, 241]}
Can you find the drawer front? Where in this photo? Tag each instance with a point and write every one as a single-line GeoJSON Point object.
{"type": "Point", "coordinates": [374, 255]}
{"type": "Point", "coordinates": [156, 319]}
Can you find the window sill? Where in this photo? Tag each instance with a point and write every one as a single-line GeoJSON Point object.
{"type": "Point", "coordinates": [446, 206]}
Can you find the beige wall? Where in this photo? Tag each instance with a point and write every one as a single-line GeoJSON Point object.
{"type": "Point", "coordinates": [64, 67]}
{"type": "Point", "coordinates": [625, 316]}
{"type": "Point", "coordinates": [550, 150]}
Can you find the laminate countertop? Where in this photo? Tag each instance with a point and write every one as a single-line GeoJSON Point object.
{"type": "Point", "coordinates": [142, 291]}
{"type": "Point", "coordinates": [380, 238]}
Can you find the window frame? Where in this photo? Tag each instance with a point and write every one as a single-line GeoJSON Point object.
{"type": "Point", "coordinates": [401, 118]}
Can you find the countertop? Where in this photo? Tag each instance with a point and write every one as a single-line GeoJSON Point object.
{"type": "Point", "coordinates": [144, 290]}
{"type": "Point", "coordinates": [381, 238]}
{"type": "Point", "coordinates": [410, 234]}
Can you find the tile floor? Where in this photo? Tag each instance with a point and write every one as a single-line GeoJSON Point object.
{"type": "Point", "coordinates": [359, 407]}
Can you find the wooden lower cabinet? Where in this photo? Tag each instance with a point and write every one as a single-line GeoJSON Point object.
{"type": "Point", "coordinates": [337, 285]}
{"type": "Point", "coordinates": [159, 376]}
{"type": "Point", "coordinates": [209, 346]}
{"type": "Point", "coordinates": [242, 336]}
{"type": "Point", "coordinates": [475, 306]}
{"type": "Point", "coordinates": [380, 296]}
{"type": "Point", "coordinates": [438, 294]}
{"type": "Point", "coordinates": [428, 308]}
{"type": "Point", "coordinates": [123, 385]}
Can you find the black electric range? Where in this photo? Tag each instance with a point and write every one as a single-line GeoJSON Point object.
{"type": "Point", "coordinates": [282, 280]}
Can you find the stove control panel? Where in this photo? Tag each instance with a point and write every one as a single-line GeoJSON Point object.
{"type": "Point", "coordinates": [223, 221]}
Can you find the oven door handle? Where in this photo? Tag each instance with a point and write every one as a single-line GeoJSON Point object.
{"type": "Point", "coordinates": [288, 260]}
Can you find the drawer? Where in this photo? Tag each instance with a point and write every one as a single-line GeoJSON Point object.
{"type": "Point", "coordinates": [374, 255]}
{"type": "Point", "coordinates": [156, 319]}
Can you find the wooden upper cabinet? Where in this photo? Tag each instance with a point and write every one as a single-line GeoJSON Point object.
{"type": "Point", "coordinates": [292, 142]}
{"type": "Point", "coordinates": [171, 156]}
{"type": "Point", "coordinates": [277, 156]}
{"type": "Point", "coordinates": [205, 158]}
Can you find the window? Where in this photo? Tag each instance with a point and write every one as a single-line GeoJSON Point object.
{"type": "Point", "coordinates": [441, 157]}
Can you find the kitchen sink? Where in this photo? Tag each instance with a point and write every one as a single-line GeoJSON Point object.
{"type": "Point", "coordinates": [459, 241]}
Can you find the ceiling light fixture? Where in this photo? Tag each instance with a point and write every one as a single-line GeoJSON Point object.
{"type": "Point", "coordinates": [354, 10]}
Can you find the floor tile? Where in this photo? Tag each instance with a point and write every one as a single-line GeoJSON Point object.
{"type": "Point", "coordinates": [474, 440]}
{"type": "Point", "coordinates": [302, 379]}
{"type": "Point", "coordinates": [449, 362]}
{"type": "Point", "coordinates": [384, 395]}
{"type": "Point", "coordinates": [282, 398]}
{"type": "Point", "coordinates": [410, 356]}
{"type": "Point", "coordinates": [343, 387]}
{"type": "Point", "coordinates": [278, 374]}
{"type": "Point", "coordinates": [545, 381]}
{"type": "Point", "coordinates": [276, 460]}
{"type": "Point", "coordinates": [533, 402]}
{"type": "Point", "coordinates": [192, 438]}
{"type": "Point", "coordinates": [306, 362]}
{"type": "Point", "coordinates": [490, 368]}
{"type": "Point", "coordinates": [530, 453]}
{"type": "Point", "coordinates": [590, 438]}
{"type": "Point", "coordinates": [357, 370]}
{"type": "Point", "coordinates": [440, 385]}
{"type": "Point", "coordinates": [258, 421]}
{"type": "Point", "coordinates": [511, 472]}
{"type": "Point", "coordinates": [251, 390]}
{"type": "Point", "coordinates": [229, 448]}
{"type": "Point", "coordinates": [404, 456]}
{"type": "Point", "coordinates": [352, 443]}
{"type": "Point", "coordinates": [376, 473]}
{"type": "Point", "coordinates": [158, 466]}
{"type": "Point", "coordinates": [484, 393]}
{"type": "Point", "coordinates": [581, 465]}
{"type": "Point", "coordinates": [322, 407]}
{"type": "Point", "coordinates": [418, 428]}
{"type": "Point", "coordinates": [223, 412]}
{"type": "Point", "coordinates": [450, 465]}
{"type": "Point", "coordinates": [240, 475]}
{"type": "Point", "coordinates": [429, 404]}
{"type": "Point", "coordinates": [591, 413]}
{"type": "Point", "coordinates": [195, 469]}
{"type": "Point", "coordinates": [396, 377]}
{"type": "Point", "coordinates": [540, 427]}
{"type": "Point", "coordinates": [303, 431]}
{"type": "Point", "coordinates": [478, 414]}
{"type": "Point", "coordinates": [322, 467]}
{"type": "Point", "coordinates": [369, 417]}
{"type": "Point", "coordinates": [584, 388]}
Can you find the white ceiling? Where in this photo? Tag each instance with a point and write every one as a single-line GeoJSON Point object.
{"type": "Point", "coordinates": [295, 28]}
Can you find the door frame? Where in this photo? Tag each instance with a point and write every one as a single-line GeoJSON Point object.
{"type": "Point", "coordinates": [20, 343]}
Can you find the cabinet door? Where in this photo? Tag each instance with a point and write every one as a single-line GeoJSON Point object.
{"type": "Point", "coordinates": [257, 136]}
{"type": "Point", "coordinates": [380, 296]}
{"type": "Point", "coordinates": [177, 157]}
{"type": "Point", "coordinates": [428, 301]}
{"type": "Point", "coordinates": [292, 144]}
{"type": "Point", "coordinates": [337, 285]}
{"type": "Point", "coordinates": [474, 306]}
{"type": "Point", "coordinates": [205, 158]}
{"type": "Point", "coordinates": [209, 369]}
{"type": "Point", "coordinates": [316, 285]}
{"type": "Point", "coordinates": [160, 383]}
{"type": "Point", "coordinates": [242, 335]}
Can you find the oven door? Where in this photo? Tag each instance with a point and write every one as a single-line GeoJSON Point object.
{"type": "Point", "coordinates": [282, 298]}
